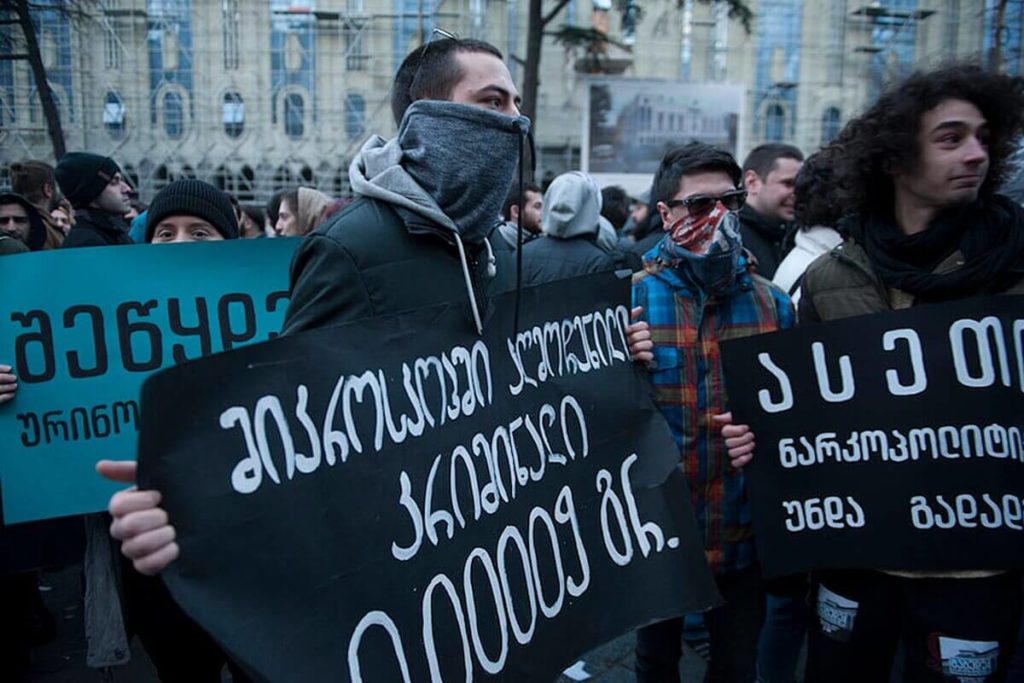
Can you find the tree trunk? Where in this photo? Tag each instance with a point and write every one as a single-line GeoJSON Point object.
{"type": "Point", "coordinates": [531, 69]}
{"type": "Point", "coordinates": [998, 28]}
{"type": "Point", "coordinates": [35, 59]}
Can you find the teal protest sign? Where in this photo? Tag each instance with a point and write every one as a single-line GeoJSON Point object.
{"type": "Point", "coordinates": [84, 327]}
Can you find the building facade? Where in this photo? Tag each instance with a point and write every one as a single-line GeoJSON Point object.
{"type": "Point", "coordinates": [255, 95]}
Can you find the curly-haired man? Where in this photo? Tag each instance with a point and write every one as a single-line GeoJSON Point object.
{"type": "Point", "coordinates": [918, 173]}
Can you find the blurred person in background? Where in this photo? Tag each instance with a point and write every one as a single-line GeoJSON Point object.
{"type": "Point", "coordinates": [101, 197]}
{"type": "Point", "coordinates": [34, 180]}
{"type": "Point", "coordinates": [769, 176]}
{"type": "Point", "coordinates": [531, 211]}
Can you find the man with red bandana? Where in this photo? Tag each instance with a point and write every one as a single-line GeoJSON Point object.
{"type": "Point", "coordinates": [695, 289]}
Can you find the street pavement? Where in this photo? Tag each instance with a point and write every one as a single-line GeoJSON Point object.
{"type": "Point", "coordinates": [63, 660]}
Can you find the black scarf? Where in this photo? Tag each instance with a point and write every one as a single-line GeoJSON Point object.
{"type": "Point", "coordinates": [988, 233]}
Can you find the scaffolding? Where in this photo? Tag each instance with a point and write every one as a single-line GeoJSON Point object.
{"type": "Point", "coordinates": [257, 95]}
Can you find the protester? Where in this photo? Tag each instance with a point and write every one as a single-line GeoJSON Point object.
{"type": "Point", "coordinates": [918, 172]}
{"type": "Point", "coordinates": [572, 243]}
{"type": "Point", "coordinates": [190, 211]}
{"type": "Point", "coordinates": [63, 217]}
{"type": "Point", "coordinates": [696, 289]}
{"type": "Point", "coordinates": [96, 189]}
{"type": "Point", "coordinates": [615, 207]}
{"type": "Point", "coordinates": [252, 221]}
{"type": "Point", "coordinates": [817, 213]}
{"type": "Point", "coordinates": [531, 211]}
{"type": "Point", "coordinates": [416, 238]}
{"type": "Point", "coordinates": [272, 207]}
{"type": "Point", "coordinates": [769, 175]}
{"type": "Point", "coordinates": [34, 180]}
{"type": "Point", "coordinates": [637, 213]}
{"type": "Point", "coordinates": [300, 211]}
{"type": "Point", "coordinates": [185, 211]}
{"type": "Point", "coordinates": [21, 224]}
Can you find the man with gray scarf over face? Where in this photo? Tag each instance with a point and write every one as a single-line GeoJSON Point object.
{"type": "Point", "coordinates": [429, 197]}
{"type": "Point", "coordinates": [415, 238]}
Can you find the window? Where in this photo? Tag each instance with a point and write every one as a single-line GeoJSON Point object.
{"type": "Point", "coordinates": [113, 114]}
{"type": "Point", "coordinates": [229, 28]}
{"type": "Point", "coordinates": [355, 116]}
{"type": "Point", "coordinates": [111, 47]}
{"type": "Point", "coordinates": [294, 115]}
{"type": "Point", "coordinates": [774, 123]}
{"type": "Point", "coordinates": [174, 115]}
{"type": "Point", "coordinates": [355, 54]}
{"type": "Point", "coordinates": [234, 114]}
{"type": "Point", "coordinates": [830, 121]}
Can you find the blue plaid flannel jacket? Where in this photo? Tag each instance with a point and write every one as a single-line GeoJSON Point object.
{"type": "Point", "coordinates": [689, 388]}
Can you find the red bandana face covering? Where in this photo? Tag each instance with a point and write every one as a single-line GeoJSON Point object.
{"type": "Point", "coordinates": [696, 234]}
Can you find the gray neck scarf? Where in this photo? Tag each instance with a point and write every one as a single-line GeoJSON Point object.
{"type": "Point", "coordinates": [465, 158]}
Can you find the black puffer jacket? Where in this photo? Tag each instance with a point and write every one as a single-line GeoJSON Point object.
{"type": "Point", "coordinates": [374, 259]}
{"type": "Point", "coordinates": [95, 228]}
{"type": "Point", "coordinates": [548, 259]}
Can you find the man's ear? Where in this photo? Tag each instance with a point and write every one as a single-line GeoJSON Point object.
{"type": "Point", "coordinates": [49, 191]}
{"type": "Point", "coordinates": [751, 181]}
{"type": "Point", "coordinates": [663, 211]}
{"type": "Point", "coordinates": [513, 213]}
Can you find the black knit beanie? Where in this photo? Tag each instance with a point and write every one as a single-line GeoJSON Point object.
{"type": "Point", "coordinates": [193, 198]}
{"type": "Point", "coordinates": [82, 176]}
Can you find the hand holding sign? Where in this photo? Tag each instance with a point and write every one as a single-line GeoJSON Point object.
{"type": "Point", "coordinates": [146, 536]}
{"type": "Point", "coordinates": [738, 439]}
{"type": "Point", "coordinates": [641, 347]}
{"type": "Point", "coordinates": [8, 384]}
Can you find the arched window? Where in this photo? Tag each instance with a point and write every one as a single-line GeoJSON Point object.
{"type": "Point", "coordinates": [830, 120]}
{"type": "Point", "coordinates": [113, 114]}
{"type": "Point", "coordinates": [174, 115]}
{"type": "Point", "coordinates": [355, 116]}
{"type": "Point", "coordinates": [234, 114]}
{"type": "Point", "coordinates": [774, 123]}
{"type": "Point", "coordinates": [294, 115]}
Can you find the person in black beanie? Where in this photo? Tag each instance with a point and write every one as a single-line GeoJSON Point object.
{"type": "Point", "coordinates": [190, 211]}
{"type": "Point", "coordinates": [96, 188]}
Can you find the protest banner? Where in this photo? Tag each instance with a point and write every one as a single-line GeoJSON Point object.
{"type": "Point", "coordinates": [83, 328]}
{"type": "Point", "coordinates": [400, 499]}
{"type": "Point", "coordinates": [890, 441]}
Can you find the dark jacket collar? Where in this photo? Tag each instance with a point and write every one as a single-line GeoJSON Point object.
{"type": "Point", "coordinates": [772, 229]}
{"type": "Point", "coordinates": [103, 220]}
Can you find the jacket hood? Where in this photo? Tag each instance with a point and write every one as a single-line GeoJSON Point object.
{"type": "Point", "coordinates": [572, 206]}
{"type": "Point", "coordinates": [376, 172]}
{"type": "Point", "coordinates": [311, 206]}
{"type": "Point", "coordinates": [36, 237]}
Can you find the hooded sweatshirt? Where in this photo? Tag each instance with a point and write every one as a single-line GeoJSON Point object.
{"type": "Point", "coordinates": [420, 185]}
{"type": "Point", "coordinates": [573, 243]}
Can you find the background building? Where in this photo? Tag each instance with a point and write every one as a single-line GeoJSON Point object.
{"type": "Point", "coordinates": [259, 94]}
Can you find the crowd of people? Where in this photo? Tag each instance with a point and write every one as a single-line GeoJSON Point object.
{"type": "Point", "coordinates": [903, 208]}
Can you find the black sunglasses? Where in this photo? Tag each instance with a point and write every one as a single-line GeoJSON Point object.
{"type": "Point", "coordinates": [702, 203]}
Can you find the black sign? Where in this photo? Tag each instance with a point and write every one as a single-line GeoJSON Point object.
{"type": "Point", "coordinates": [402, 500]}
{"type": "Point", "coordinates": [890, 441]}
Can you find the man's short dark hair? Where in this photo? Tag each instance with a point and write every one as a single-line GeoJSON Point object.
{"type": "Point", "coordinates": [764, 159]}
{"type": "Point", "coordinates": [885, 137]}
{"type": "Point", "coordinates": [431, 71]}
{"type": "Point", "coordinates": [695, 157]}
{"type": "Point", "coordinates": [513, 198]}
{"type": "Point", "coordinates": [615, 206]}
{"type": "Point", "coordinates": [815, 191]}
